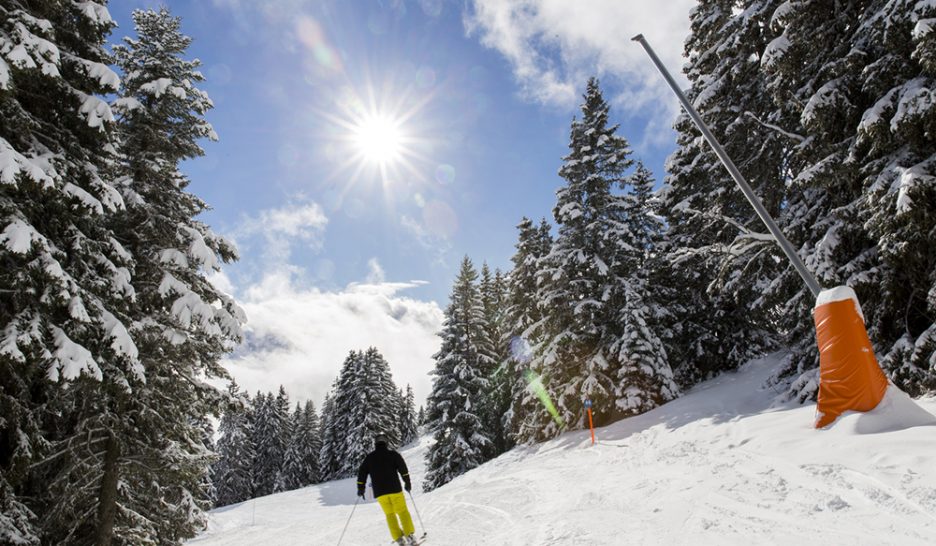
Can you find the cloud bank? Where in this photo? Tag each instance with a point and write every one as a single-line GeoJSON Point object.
{"type": "Point", "coordinates": [553, 46]}
{"type": "Point", "coordinates": [299, 334]}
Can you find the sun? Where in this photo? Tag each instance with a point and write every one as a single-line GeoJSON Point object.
{"type": "Point", "coordinates": [376, 135]}
{"type": "Point", "coordinates": [379, 139]}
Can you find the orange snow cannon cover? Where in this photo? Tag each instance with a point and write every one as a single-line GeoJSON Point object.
{"type": "Point", "coordinates": [849, 375]}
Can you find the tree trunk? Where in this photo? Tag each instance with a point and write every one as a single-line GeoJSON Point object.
{"type": "Point", "coordinates": [107, 507]}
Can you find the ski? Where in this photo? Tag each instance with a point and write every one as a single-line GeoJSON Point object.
{"type": "Point", "coordinates": [419, 540]}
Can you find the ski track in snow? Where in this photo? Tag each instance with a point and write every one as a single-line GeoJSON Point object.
{"type": "Point", "coordinates": [720, 465]}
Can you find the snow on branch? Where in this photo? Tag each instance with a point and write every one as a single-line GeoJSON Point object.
{"type": "Point", "coordinates": [775, 51]}
{"type": "Point", "coordinates": [99, 72]}
{"type": "Point", "coordinates": [33, 51]}
{"type": "Point", "coordinates": [909, 179]}
{"type": "Point", "coordinates": [19, 237]}
{"type": "Point", "coordinates": [84, 197]}
{"type": "Point", "coordinates": [96, 110]}
{"type": "Point", "coordinates": [4, 74]}
{"type": "Point", "coordinates": [12, 163]}
{"type": "Point", "coordinates": [792, 136]}
{"type": "Point", "coordinates": [95, 12]}
{"type": "Point", "coordinates": [71, 359]}
{"type": "Point", "coordinates": [122, 343]}
{"type": "Point", "coordinates": [8, 345]}
{"type": "Point", "coordinates": [745, 232]}
{"type": "Point", "coordinates": [189, 306]}
{"type": "Point", "coordinates": [200, 251]}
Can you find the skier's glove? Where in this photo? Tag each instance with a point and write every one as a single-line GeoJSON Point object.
{"type": "Point", "coordinates": [360, 492]}
{"type": "Point", "coordinates": [407, 485]}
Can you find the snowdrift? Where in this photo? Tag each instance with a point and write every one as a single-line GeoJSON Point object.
{"type": "Point", "coordinates": [721, 465]}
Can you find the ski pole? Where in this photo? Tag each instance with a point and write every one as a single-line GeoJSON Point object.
{"type": "Point", "coordinates": [421, 524]}
{"type": "Point", "coordinates": [349, 520]}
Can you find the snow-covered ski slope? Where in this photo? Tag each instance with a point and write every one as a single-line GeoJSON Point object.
{"type": "Point", "coordinates": [717, 466]}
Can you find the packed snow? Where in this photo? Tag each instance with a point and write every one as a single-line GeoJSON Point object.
{"type": "Point", "coordinates": [839, 293]}
{"type": "Point", "coordinates": [721, 465]}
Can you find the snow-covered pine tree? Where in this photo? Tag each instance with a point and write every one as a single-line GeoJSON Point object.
{"type": "Point", "coordinates": [458, 386]}
{"type": "Point", "coordinates": [364, 402]}
{"type": "Point", "coordinates": [312, 447]}
{"type": "Point", "coordinates": [523, 318]}
{"type": "Point", "coordinates": [491, 292]}
{"type": "Point", "coordinates": [344, 397]}
{"type": "Point", "coordinates": [645, 377]}
{"type": "Point", "coordinates": [822, 193]}
{"type": "Point", "coordinates": [153, 464]}
{"type": "Point", "coordinates": [409, 429]}
{"type": "Point", "coordinates": [895, 148]}
{"type": "Point", "coordinates": [374, 410]}
{"type": "Point", "coordinates": [497, 401]}
{"type": "Point", "coordinates": [854, 88]}
{"type": "Point", "coordinates": [64, 311]}
{"type": "Point", "coordinates": [582, 282]}
{"type": "Point", "coordinates": [329, 436]}
{"type": "Point", "coordinates": [231, 474]}
{"type": "Point", "coordinates": [286, 432]}
{"type": "Point", "coordinates": [501, 343]}
{"type": "Point", "coordinates": [206, 492]}
{"type": "Point", "coordinates": [718, 261]}
{"type": "Point", "coordinates": [294, 474]}
{"type": "Point", "coordinates": [253, 413]}
{"type": "Point", "coordinates": [421, 416]}
{"type": "Point", "coordinates": [268, 424]}
{"type": "Point", "coordinates": [398, 413]}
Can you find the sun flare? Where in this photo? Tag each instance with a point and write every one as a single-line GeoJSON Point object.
{"type": "Point", "coordinates": [379, 139]}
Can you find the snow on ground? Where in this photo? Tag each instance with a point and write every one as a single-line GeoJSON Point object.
{"type": "Point", "coordinates": [720, 465]}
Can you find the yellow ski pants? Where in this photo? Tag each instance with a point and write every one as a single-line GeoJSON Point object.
{"type": "Point", "coordinates": [394, 505]}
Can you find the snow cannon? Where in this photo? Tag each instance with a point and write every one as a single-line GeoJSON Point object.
{"type": "Point", "coordinates": [850, 377]}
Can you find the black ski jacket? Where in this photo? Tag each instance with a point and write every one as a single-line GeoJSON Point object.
{"type": "Point", "coordinates": [383, 465]}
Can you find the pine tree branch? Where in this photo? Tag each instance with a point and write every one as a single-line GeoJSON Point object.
{"type": "Point", "coordinates": [82, 518]}
{"type": "Point", "coordinates": [68, 448]}
{"type": "Point", "coordinates": [793, 136]}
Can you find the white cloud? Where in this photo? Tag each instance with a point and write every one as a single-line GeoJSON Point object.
{"type": "Point", "coordinates": [299, 336]}
{"type": "Point", "coordinates": [283, 227]}
{"type": "Point", "coordinates": [220, 280]}
{"type": "Point", "coordinates": [375, 273]}
{"type": "Point", "coordinates": [555, 45]}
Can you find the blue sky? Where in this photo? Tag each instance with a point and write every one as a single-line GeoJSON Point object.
{"type": "Point", "coordinates": [336, 256]}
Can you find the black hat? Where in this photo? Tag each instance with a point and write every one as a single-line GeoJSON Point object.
{"type": "Point", "coordinates": [380, 439]}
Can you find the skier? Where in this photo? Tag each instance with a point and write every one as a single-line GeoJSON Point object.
{"type": "Point", "coordinates": [383, 464]}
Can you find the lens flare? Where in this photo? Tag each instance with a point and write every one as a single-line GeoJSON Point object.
{"type": "Point", "coordinates": [445, 174]}
{"type": "Point", "coordinates": [536, 385]}
{"type": "Point", "coordinates": [310, 34]}
{"type": "Point", "coordinates": [520, 350]}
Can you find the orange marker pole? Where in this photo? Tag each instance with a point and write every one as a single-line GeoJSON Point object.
{"type": "Point", "coordinates": [591, 425]}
